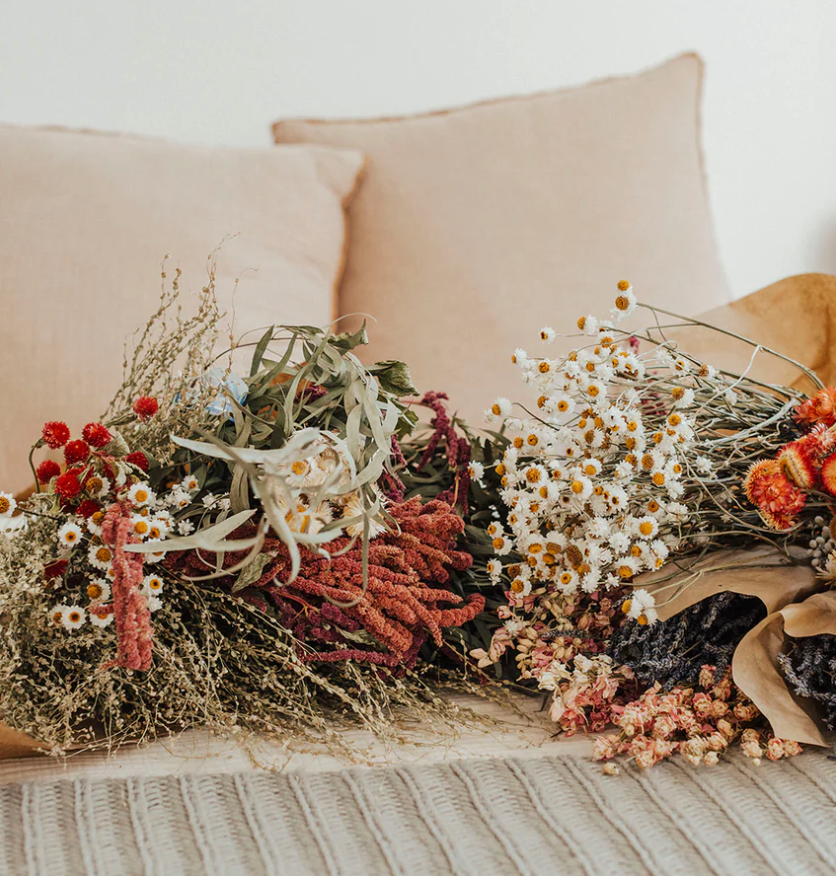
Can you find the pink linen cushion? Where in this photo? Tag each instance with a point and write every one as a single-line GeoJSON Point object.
{"type": "Point", "coordinates": [476, 226]}
{"type": "Point", "coordinates": [85, 222]}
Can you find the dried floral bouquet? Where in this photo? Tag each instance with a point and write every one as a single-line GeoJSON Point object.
{"type": "Point", "coordinates": [657, 520]}
{"type": "Point", "coordinates": [232, 552]}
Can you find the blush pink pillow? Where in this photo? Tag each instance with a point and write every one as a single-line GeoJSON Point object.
{"type": "Point", "coordinates": [477, 226]}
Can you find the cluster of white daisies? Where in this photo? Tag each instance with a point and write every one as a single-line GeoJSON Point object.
{"type": "Point", "coordinates": [592, 481]}
{"type": "Point", "coordinates": [308, 508]}
{"type": "Point", "coordinates": [152, 520]}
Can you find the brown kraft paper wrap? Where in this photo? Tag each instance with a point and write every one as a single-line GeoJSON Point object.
{"type": "Point", "coordinates": [755, 665]}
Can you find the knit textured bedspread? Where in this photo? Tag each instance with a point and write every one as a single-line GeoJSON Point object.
{"type": "Point", "coordinates": [550, 815]}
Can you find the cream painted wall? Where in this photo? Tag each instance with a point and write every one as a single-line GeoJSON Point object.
{"type": "Point", "coordinates": [213, 72]}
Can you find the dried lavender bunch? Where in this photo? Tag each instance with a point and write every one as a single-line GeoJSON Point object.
{"type": "Point", "coordinates": [810, 668]}
{"type": "Point", "coordinates": [672, 652]}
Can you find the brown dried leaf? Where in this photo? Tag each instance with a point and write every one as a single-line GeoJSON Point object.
{"type": "Point", "coordinates": [755, 665]}
{"type": "Point", "coordinates": [761, 572]}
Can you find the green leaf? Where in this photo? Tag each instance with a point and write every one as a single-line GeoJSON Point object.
{"type": "Point", "coordinates": [347, 341]}
{"type": "Point", "coordinates": [394, 377]}
{"type": "Point", "coordinates": [252, 571]}
{"type": "Point", "coordinates": [260, 350]}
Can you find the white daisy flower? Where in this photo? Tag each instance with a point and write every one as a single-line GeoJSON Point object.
{"type": "Point", "coordinates": [94, 489]}
{"type": "Point", "coordinates": [625, 303]}
{"type": "Point", "coordinates": [501, 407]}
{"type": "Point", "coordinates": [152, 585]}
{"type": "Point", "coordinates": [177, 498]}
{"type": "Point", "coordinates": [686, 400]}
{"type": "Point", "coordinates": [703, 465]}
{"type": "Point", "coordinates": [547, 334]}
{"type": "Point", "coordinates": [72, 616]}
{"type": "Point", "coordinates": [101, 618]}
{"type": "Point", "coordinates": [476, 471]}
{"type": "Point", "coordinates": [140, 526]}
{"type": "Point", "coordinates": [647, 527]}
{"type": "Point", "coordinates": [209, 500]}
{"type": "Point", "coordinates": [355, 507]}
{"type": "Point", "coordinates": [141, 494]}
{"type": "Point", "coordinates": [8, 505]}
{"type": "Point", "coordinates": [588, 324]}
{"type": "Point", "coordinates": [155, 557]}
{"type": "Point", "coordinates": [623, 470]}
{"type": "Point", "coordinates": [158, 528]}
{"type": "Point", "coordinates": [154, 604]}
{"type": "Point", "coordinates": [98, 590]}
{"type": "Point", "coordinates": [185, 527]}
{"type": "Point", "coordinates": [100, 556]}
{"type": "Point", "coordinates": [189, 484]}
{"type": "Point", "coordinates": [619, 542]}
{"type": "Point", "coordinates": [69, 535]}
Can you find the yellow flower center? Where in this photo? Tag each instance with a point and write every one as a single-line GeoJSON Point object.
{"type": "Point", "coordinates": [5, 504]}
{"type": "Point", "coordinates": [103, 555]}
{"type": "Point", "coordinates": [646, 528]}
{"type": "Point", "coordinates": [94, 591]}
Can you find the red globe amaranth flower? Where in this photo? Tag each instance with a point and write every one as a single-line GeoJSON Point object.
{"type": "Point", "coordinates": [76, 451]}
{"type": "Point", "coordinates": [47, 470]}
{"type": "Point", "coordinates": [87, 508]}
{"type": "Point", "coordinates": [139, 459]}
{"type": "Point", "coordinates": [55, 434]}
{"type": "Point", "coordinates": [67, 485]}
{"type": "Point", "coordinates": [145, 407]}
{"type": "Point", "coordinates": [821, 408]}
{"type": "Point", "coordinates": [56, 569]}
{"type": "Point", "coordinates": [96, 435]}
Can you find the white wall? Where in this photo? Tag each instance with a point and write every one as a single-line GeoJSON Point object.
{"type": "Point", "coordinates": [219, 72]}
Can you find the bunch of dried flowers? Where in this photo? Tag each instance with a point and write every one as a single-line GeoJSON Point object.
{"type": "Point", "coordinates": [698, 722]}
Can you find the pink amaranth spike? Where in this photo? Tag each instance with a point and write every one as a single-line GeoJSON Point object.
{"type": "Point", "coordinates": [130, 607]}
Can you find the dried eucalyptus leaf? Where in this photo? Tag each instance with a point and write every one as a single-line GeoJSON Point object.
{"type": "Point", "coordinates": [394, 377]}
{"type": "Point", "coordinates": [252, 571]}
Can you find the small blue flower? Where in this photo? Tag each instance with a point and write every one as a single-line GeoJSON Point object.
{"type": "Point", "coordinates": [230, 386]}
